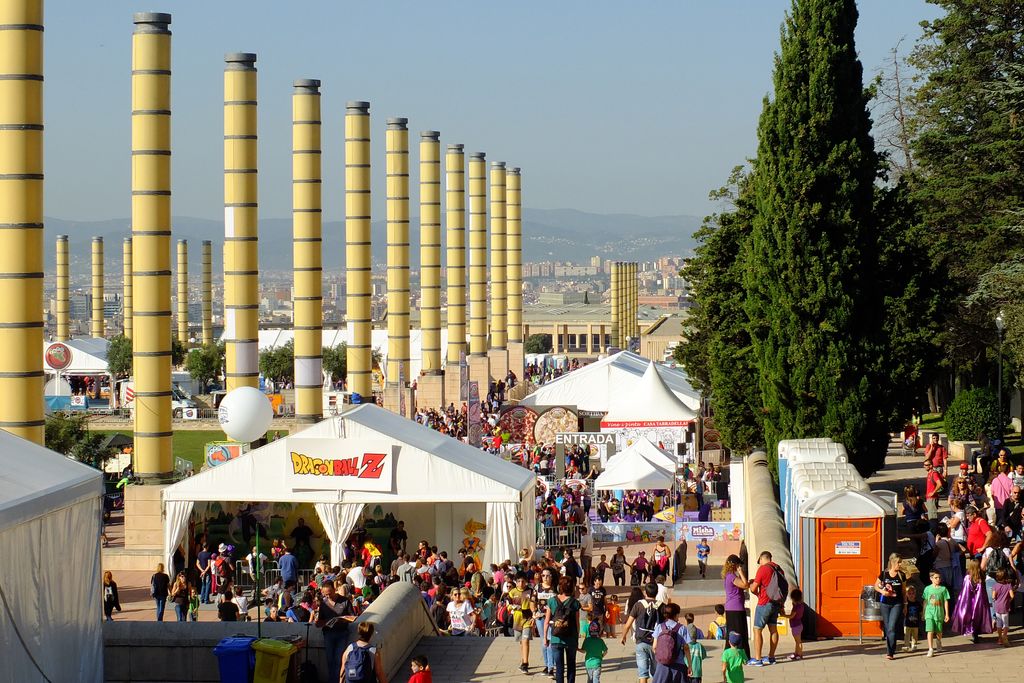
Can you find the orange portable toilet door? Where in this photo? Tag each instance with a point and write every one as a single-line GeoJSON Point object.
{"type": "Point", "coordinates": [849, 558]}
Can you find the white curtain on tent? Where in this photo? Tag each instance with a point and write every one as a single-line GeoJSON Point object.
{"type": "Point", "coordinates": [339, 519]}
{"type": "Point", "coordinates": [503, 522]}
{"type": "Point", "coordinates": [176, 513]}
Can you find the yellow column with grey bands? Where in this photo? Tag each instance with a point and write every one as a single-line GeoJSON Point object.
{"type": "Point", "coordinates": [207, 286]}
{"type": "Point", "coordinates": [499, 322]}
{"type": "Point", "coordinates": [21, 218]}
{"type": "Point", "coordinates": [63, 302]}
{"type": "Point", "coordinates": [358, 258]}
{"type": "Point", "coordinates": [514, 253]}
{"type": "Point", "coordinates": [623, 303]}
{"type": "Point", "coordinates": [126, 296]}
{"type": "Point", "coordinates": [614, 305]}
{"type": "Point", "coordinates": [455, 252]}
{"type": "Point", "coordinates": [96, 327]}
{"type": "Point", "coordinates": [307, 250]}
{"type": "Point", "coordinates": [634, 326]}
{"type": "Point", "coordinates": [477, 254]}
{"type": "Point", "coordinates": [151, 244]}
{"type": "Point", "coordinates": [183, 292]}
{"type": "Point", "coordinates": [241, 275]}
{"type": "Point", "coordinates": [397, 187]}
{"type": "Point", "coordinates": [430, 252]}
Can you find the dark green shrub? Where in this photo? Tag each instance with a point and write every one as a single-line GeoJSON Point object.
{"type": "Point", "coordinates": [974, 411]}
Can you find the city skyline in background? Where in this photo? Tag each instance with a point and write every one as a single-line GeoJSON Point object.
{"type": "Point", "coordinates": [607, 111]}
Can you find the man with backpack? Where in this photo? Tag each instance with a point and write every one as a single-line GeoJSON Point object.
{"type": "Point", "coordinates": [646, 615]}
{"type": "Point", "coordinates": [771, 588]}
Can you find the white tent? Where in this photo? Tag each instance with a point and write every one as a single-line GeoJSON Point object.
{"type": "Point", "coordinates": [50, 623]}
{"type": "Point", "coordinates": [649, 400]}
{"type": "Point", "coordinates": [440, 482]}
{"type": "Point", "coordinates": [641, 466]}
{"type": "Point", "coordinates": [594, 388]}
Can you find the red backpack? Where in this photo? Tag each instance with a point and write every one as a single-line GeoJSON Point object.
{"type": "Point", "coordinates": [666, 645]}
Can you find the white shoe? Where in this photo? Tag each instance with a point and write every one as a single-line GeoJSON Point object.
{"type": "Point", "coordinates": [931, 653]}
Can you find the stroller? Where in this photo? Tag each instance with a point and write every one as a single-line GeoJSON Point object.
{"type": "Point", "coordinates": [910, 439]}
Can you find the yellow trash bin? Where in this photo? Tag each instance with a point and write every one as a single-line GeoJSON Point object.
{"type": "Point", "coordinates": [273, 660]}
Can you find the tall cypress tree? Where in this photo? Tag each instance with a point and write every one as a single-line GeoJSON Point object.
{"type": "Point", "coordinates": [815, 315]}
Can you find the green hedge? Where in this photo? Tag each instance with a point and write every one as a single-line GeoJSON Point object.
{"type": "Point", "coordinates": [974, 411]}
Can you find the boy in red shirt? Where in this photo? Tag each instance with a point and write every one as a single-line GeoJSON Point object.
{"type": "Point", "coordinates": [420, 670]}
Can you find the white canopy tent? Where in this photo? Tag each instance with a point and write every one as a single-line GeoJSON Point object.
{"type": "Point", "coordinates": [429, 467]}
{"type": "Point", "coordinates": [50, 508]}
{"type": "Point", "coordinates": [641, 466]}
{"type": "Point", "coordinates": [594, 388]}
{"type": "Point", "coordinates": [649, 400]}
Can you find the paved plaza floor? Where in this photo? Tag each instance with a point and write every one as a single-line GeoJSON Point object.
{"type": "Point", "coordinates": [459, 660]}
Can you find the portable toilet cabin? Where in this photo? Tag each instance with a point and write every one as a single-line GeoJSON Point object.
{"type": "Point", "coordinates": [798, 452]}
{"type": "Point", "coordinates": [811, 479]}
{"type": "Point", "coordinates": [845, 536]}
{"type": "Point", "coordinates": [787, 453]}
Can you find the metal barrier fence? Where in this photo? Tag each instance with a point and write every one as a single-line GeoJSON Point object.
{"type": "Point", "coordinates": [570, 536]}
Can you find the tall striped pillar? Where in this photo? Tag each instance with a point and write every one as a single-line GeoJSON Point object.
{"type": "Point", "coordinates": [514, 255]}
{"type": "Point", "coordinates": [614, 291]}
{"type": "Point", "coordinates": [63, 303]}
{"type": "Point", "coordinates": [241, 262]}
{"type": "Point", "coordinates": [477, 254]}
{"type": "Point", "coordinates": [151, 243]}
{"type": "Point", "coordinates": [499, 321]}
{"type": "Point", "coordinates": [207, 286]}
{"type": "Point", "coordinates": [307, 250]}
{"type": "Point", "coordinates": [96, 326]}
{"type": "Point", "coordinates": [397, 178]}
{"type": "Point", "coordinates": [358, 258]}
{"type": "Point", "coordinates": [126, 287]}
{"type": "Point", "coordinates": [634, 308]}
{"type": "Point", "coordinates": [455, 253]}
{"type": "Point", "coordinates": [430, 252]}
{"type": "Point", "coordinates": [183, 292]}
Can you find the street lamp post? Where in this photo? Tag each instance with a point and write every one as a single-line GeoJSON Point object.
{"type": "Point", "coordinates": [1000, 324]}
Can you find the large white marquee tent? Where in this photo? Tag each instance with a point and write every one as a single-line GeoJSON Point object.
{"type": "Point", "coordinates": [50, 614]}
{"type": "Point", "coordinates": [594, 388]}
{"type": "Point", "coordinates": [438, 485]}
{"type": "Point", "coordinates": [641, 466]}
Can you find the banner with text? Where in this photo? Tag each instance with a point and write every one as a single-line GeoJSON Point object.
{"type": "Point", "coordinates": [340, 464]}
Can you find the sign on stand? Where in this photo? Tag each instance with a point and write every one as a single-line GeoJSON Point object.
{"type": "Point", "coordinates": [474, 428]}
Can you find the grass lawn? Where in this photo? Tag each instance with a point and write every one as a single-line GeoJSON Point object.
{"type": "Point", "coordinates": [188, 444]}
{"type": "Point", "coordinates": [933, 421]}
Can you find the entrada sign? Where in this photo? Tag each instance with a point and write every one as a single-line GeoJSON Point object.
{"type": "Point", "coordinates": [340, 464]}
{"type": "Point", "coordinates": [584, 438]}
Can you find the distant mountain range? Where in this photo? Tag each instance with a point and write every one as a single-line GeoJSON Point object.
{"type": "Point", "coordinates": [548, 234]}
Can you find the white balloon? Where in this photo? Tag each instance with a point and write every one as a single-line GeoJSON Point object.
{"type": "Point", "coordinates": [245, 414]}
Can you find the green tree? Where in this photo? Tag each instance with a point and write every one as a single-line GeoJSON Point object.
{"type": "Point", "coordinates": [335, 361]}
{"type": "Point", "coordinates": [812, 304]}
{"type": "Point", "coordinates": [119, 356]}
{"type": "Point", "coordinates": [716, 351]}
{"type": "Point", "coordinates": [203, 364]}
{"type": "Point", "coordinates": [538, 343]}
{"type": "Point", "coordinates": [69, 434]}
{"type": "Point", "coordinates": [178, 351]}
{"type": "Point", "coordinates": [278, 363]}
{"type": "Point", "coordinates": [969, 150]}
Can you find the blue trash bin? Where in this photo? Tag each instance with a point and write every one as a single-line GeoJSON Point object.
{"type": "Point", "coordinates": [236, 659]}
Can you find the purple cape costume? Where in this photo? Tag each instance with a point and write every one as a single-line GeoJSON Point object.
{"type": "Point", "coordinates": [971, 616]}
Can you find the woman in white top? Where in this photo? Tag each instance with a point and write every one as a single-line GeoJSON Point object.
{"type": "Point", "coordinates": [461, 613]}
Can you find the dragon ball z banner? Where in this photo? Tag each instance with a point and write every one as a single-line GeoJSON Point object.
{"type": "Point", "coordinates": [341, 464]}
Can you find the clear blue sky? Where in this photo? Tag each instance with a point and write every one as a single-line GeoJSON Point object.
{"type": "Point", "coordinates": [638, 107]}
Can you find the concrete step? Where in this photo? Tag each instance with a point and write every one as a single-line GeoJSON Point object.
{"type": "Point", "coordinates": [131, 559]}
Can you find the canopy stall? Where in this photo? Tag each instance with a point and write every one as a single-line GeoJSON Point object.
{"type": "Point", "coordinates": [50, 511]}
{"type": "Point", "coordinates": [641, 466]}
{"type": "Point", "coordinates": [595, 387]}
{"type": "Point", "coordinates": [371, 456]}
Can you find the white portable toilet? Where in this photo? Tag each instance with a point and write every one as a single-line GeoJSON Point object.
{"type": "Point", "coordinates": [810, 479]}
